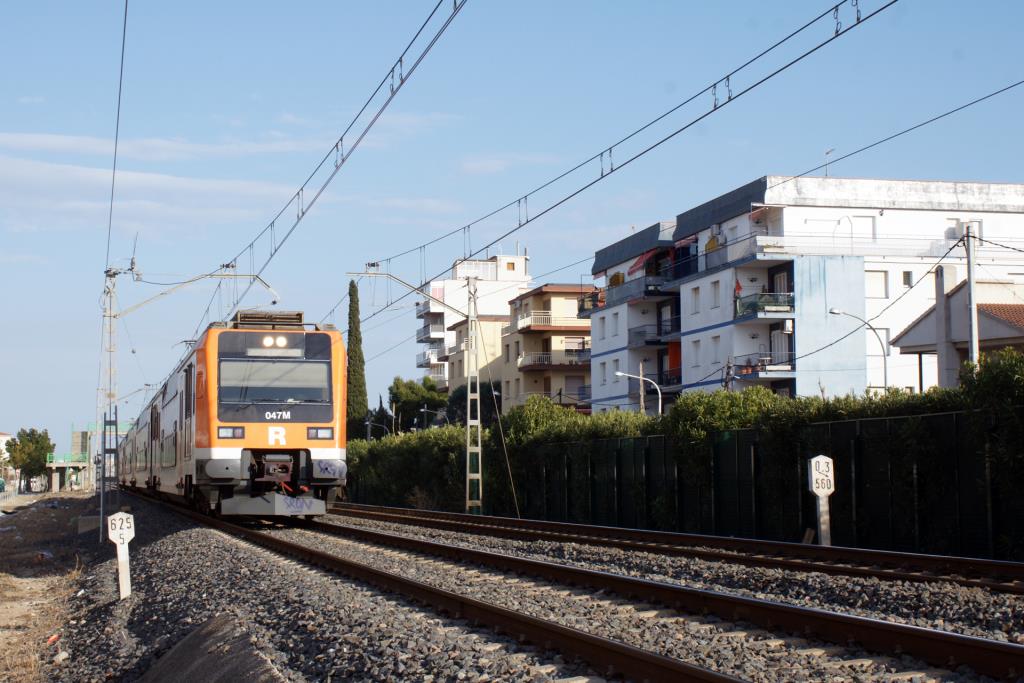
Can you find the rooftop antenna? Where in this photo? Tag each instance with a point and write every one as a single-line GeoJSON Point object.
{"type": "Point", "coordinates": [827, 152]}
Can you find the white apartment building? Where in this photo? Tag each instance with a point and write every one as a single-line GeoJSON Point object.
{"type": "Point", "coordinates": [634, 321]}
{"type": "Point", "coordinates": [500, 278]}
{"type": "Point", "coordinates": [756, 272]}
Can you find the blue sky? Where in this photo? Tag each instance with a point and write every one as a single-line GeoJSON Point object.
{"type": "Point", "coordinates": [227, 107]}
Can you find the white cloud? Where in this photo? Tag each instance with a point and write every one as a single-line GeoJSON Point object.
{"type": "Point", "coordinates": [499, 163]}
{"type": "Point", "coordinates": [152, 149]}
{"type": "Point", "coordinates": [30, 99]}
{"type": "Point", "coordinates": [290, 119]}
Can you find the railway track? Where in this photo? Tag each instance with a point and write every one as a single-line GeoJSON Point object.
{"type": "Point", "coordinates": [724, 619]}
{"type": "Point", "coordinates": [604, 654]}
{"type": "Point", "coordinates": [995, 575]}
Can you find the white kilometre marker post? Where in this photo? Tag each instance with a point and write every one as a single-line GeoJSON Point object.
{"type": "Point", "coordinates": [120, 531]}
{"type": "Point", "coordinates": [821, 482]}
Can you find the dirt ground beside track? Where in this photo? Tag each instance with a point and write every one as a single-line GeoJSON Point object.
{"type": "Point", "coordinates": [39, 565]}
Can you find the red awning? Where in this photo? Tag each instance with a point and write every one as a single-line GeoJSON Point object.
{"type": "Point", "coordinates": [639, 263]}
{"type": "Point", "coordinates": [686, 241]}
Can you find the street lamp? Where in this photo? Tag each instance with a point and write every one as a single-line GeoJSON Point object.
{"type": "Point", "coordinates": [619, 373]}
{"type": "Point", "coordinates": [374, 424]}
{"type": "Point", "coordinates": [436, 412]}
{"type": "Point", "coordinates": [885, 351]}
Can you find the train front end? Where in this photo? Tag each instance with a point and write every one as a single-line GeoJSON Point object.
{"type": "Point", "coordinates": [274, 432]}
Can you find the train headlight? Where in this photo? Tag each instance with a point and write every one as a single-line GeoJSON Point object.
{"type": "Point", "coordinates": [230, 432]}
{"type": "Point", "coordinates": [268, 341]}
{"type": "Point", "coordinates": [320, 433]}
{"type": "Point", "coordinates": [281, 342]}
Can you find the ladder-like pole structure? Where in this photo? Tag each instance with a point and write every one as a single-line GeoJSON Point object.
{"type": "Point", "coordinates": [474, 430]}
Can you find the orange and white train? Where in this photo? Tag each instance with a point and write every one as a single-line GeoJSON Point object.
{"type": "Point", "coordinates": [251, 422]}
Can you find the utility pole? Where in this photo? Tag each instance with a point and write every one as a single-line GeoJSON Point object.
{"type": "Point", "coordinates": [643, 408]}
{"type": "Point", "coordinates": [972, 300]}
{"type": "Point", "coordinates": [474, 435]}
{"type": "Point", "coordinates": [729, 374]}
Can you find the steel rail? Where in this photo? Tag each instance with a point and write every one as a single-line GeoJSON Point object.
{"type": "Point", "coordinates": [996, 575]}
{"type": "Point", "coordinates": [942, 648]}
{"type": "Point", "coordinates": [612, 656]}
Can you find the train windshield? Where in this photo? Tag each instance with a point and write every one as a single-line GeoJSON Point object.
{"type": "Point", "coordinates": [274, 381]}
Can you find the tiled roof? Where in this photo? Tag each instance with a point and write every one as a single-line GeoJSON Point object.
{"type": "Point", "coordinates": [1010, 313]}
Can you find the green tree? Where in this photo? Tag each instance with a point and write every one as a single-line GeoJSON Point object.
{"type": "Point", "coordinates": [456, 409]}
{"type": "Point", "coordinates": [357, 402]}
{"type": "Point", "coordinates": [408, 397]}
{"type": "Point", "coordinates": [28, 451]}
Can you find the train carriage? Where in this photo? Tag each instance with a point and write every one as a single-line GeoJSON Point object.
{"type": "Point", "coordinates": [251, 422]}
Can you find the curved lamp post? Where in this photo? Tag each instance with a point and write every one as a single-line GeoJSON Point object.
{"type": "Point", "coordinates": [424, 409]}
{"type": "Point", "coordinates": [619, 373]}
{"type": "Point", "coordinates": [885, 351]}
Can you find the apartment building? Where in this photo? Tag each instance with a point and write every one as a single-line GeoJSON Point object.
{"type": "Point", "coordinates": [498, 279]}
{"type": "Point", "coordinates": [773, 279]}
{"type": "Point", "coordinates": [546, 347]}
{"type": "Point", "coordinates": [634, 321]}
{"type": "Point", "coordinates": [489, 358]}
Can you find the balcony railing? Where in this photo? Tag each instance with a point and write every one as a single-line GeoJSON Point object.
{"type": "Point", "coordinates": [584, 393]}
{"type": "Point", "coordinates": [554, 358]}
{"type": "Point", "coordinates": [767, 362]}
{"type": "Point", "coordinates": [668, 326]}
{"type": "Point", "coordinates": [429, 331]}
{"type": "Point", "coordinates": [424, 359]}
{"type": "Point", "coordinates": [648, 285]}
{"type": "Point", "coordinates": [545, 319]}
{"type": "Point", "coordinates": [440, 380]}
{"type": "Point", "coordinates": [641, 335]}
{"type": "Point", "coordinates": [765, 302]}
{"type": "Point", "coordinates": [590, 302]}
{"type": "Point", "coordinates": [666, 380]}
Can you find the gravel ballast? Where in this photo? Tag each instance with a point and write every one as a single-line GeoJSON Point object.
{"type": "Point", "coordinates": [736, 649]}
{"type": "Point", "coordinates": [308, 624]}
{"type": "Point", "coordinates": [941, 605]}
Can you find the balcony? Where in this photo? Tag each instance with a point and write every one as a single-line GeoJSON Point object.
{"type": "Point", "coordinates": [648, 286]}
{"type": "Point", "coordinates": [767, 364]}
{"type": "Point", "coordinates": [668, 326]}
{"type": "Point", "coordinates": [554, 359]}
{"type": "Point", "coordinates": [433, 331]}
{"type": "Point", "coordinates": [546, 321]}
{"type": "Point", "coordinates": [766, 305]}
{"type": "Point", "coordinates": [590, 302]}
{"type": "Point", "coordinates": [584, 393]}
{"type": "Point", "coordinates": [424, 359]}
{"type": "Point", "coordinates": [440, 380]}
{"type": "Point", "coordinates": [669, 381]}
{"type": "Point", "coordinates": [424, 308]}
{"type": "Point", "coordinates": [643, 335]}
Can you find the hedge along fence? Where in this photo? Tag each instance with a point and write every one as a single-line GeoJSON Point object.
{"type": "Point", "coordinates": [427, 468]}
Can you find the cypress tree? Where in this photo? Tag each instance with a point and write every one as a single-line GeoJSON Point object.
{"type": "Point", "coordinates": [356, 385]}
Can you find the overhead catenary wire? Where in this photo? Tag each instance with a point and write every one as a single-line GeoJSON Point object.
{"type": "Point", "coordinates": [117, 134]}
{"type": "Point", "coordinates": [388, 87]}
{"type": "Point", "coordinates": [733, 96]}
{"type": "Point", "coordinates": [889, 138]}
{"type": "Point", "coordinates": [465, 229]}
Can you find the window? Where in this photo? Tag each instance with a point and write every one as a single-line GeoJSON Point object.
{"type": "Point", "coordinates": [517, 348]}
{"type": "Point", "coordinates": [908, 278]}
{"type": "Point", "coordinates": [602, 327]}
{"type": "Point", "coordinates": [876, 284]}
{"type": "Point", "coordinates": [615, 369]}
{"type": "Point", "coordinates": [510, 265]}
{"type": "Point", "coordinates": [506, 352]}
{"type": "Point", "coordinates": [604, 373]}
{"type": "Point", "coordinates": [274, 381]}
{"type": "Point", "coordinates": [695, 300]}
{"type": "Point", "coordinates": [517, 387]}
{"type": "Point", "coordinates": [615, 324]}
{"type": "Point", "coordinates": [716, 287]}
{"type": "Point", "coordinates": [695, 352]}
{"type": "Point", "coordinates": [508, 388]}
{"type": "Point", "coordinates": [873, 347]}
{"type": "Point", "coordinates": [716, 343]}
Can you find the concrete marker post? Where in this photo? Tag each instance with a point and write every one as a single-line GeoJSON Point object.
{"type": "Point", "coordinates": [821, 482]}
{"type": "Point", "coordinates": [120, 531]}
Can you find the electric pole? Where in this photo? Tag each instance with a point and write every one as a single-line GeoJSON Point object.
{"type": "Point", "coordinates": [474, 432]}
{"type": "Point", "coordinates": [972, 300]}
